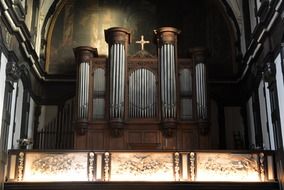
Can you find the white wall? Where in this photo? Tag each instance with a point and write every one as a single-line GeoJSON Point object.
{"type": "Point", "coordinates": [233, 125]}
{"type": "Point", "coordinates": [29, 15]}
{"type": "Point", "coordinates": [2, 84]}
{"type": "Point", "coordinates": [263, 115]}
{"type": "Point", "coordinates": [250, 123]}
{"type": "Point", "coordinates": [18, 117]}
{"type": "Point", "coordinates": [280, 91]}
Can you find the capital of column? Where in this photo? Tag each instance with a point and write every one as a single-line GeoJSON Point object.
{"type": "Point", "coordinates": [166, 35]}
{"type": "Point", "coordinates": [199, 54]}
{"type": "Point", "coordinates": [118, 35]}
{"type": "Point", "coordinates": [84, 53]}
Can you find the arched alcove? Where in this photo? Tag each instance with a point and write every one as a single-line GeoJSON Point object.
{"type": "Point", "coordinates": [202, 23]}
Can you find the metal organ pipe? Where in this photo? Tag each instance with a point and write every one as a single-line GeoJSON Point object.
{"type": "Point", "coordinates": [83, 90]}
{"type": "Point", "coordinates": [123, 77]}
{"type": "Point", "coordinates": [198, 55]}
{"type": "Point", "coordinates": [166, 38]}
{"type": "Point", "coordinates": [117, 38]}
{"type": "Point", "coordinates": [168, 79]}
{"type": "Point", "coordinates": [83, 56]}
{"type": "Point", "coordinates": [141, 92]}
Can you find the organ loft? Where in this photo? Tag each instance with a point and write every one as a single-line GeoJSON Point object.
{"type": "Point", "coordinates": [123, 94]}
{"type": "Point", "coordinates": [141, 101]}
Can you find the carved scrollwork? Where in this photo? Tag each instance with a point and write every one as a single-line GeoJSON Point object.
{"type": "Point", "coordinates": [21, 161]}
{"type": "Point", "coordinates": [192, 166]}
{"type": "Point", "coordinates": [106, 168]}
{"type": "Point", "coordinates": [261, 166]}
{"type": "Point", "coordinates": [177, 166]}
{"type": "Point", "coordinates": [91, 166]}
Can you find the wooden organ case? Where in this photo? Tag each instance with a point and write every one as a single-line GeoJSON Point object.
{"type": "Point", "coordinates": [141, 102]}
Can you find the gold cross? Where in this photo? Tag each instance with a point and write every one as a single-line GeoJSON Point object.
{"type": "Point", "coordinates": [142, 42]}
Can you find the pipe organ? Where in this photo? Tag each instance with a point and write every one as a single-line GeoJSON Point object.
{"type": "Point", "coordinates": [117, 38]}
{"type": "Point", "coordinates": [83, 56]}
{"type": "Point", "coordinates": [142, 94]}
{"type": "Point", "coordinates": [167, 56]}
{"type": "Point", "coordinates": [198, 55]}
{"type": "Point", "coordinates": [141, 101]}
{"type": "Point", "coordinates": [166, 40]}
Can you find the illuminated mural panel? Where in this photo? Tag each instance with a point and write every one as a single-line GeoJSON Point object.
{"type": "Point", "coordinates": [29, 166]}
{"type": "Point", "coordinates": [227, 167]}
{"type": "Point", "coordinates": [142, 167]}
{"type": "Point", "coordinates": [56, 167]}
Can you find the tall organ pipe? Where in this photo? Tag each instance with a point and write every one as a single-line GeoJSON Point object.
{"type": "Point", "coordinates": [166, 38]}
{"type": "Point", "coordinates": [142, 87]}
{"type": "Point", "coordinates": [83, 55]}
{"type": "Point", "coordinates": [118, 39]}
{"type": "Point", "coordinates": [198, 55]}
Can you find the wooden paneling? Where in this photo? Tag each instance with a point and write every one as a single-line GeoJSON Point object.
{"type": "Point", "coordinates": [80, 141]}
{"type": "Point", "coordinates": [135, 136]}
{"type": "Point", "coordinates": [117, 143]}
{"type": "Point", "coordinates": [96, 139]}
{"type": "Point", "coordinates": [144, 139]}
{"type": "Point", "coordinates": [189, 139]}
{"type": "Point", "coordinates": [170, 143]}
{"type": "Point", "coordinates": [151, 137]}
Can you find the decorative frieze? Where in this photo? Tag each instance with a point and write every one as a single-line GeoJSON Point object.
{"type": "Point", "coordinates": [191, 166]}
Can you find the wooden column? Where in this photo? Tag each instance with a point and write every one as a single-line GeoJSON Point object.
{"type": "Point", "coordinates": [118, 39]}
{"type": "Point", "coordinates": [166, 38]}
{"type": "Point", "coordinates": [83, 55]}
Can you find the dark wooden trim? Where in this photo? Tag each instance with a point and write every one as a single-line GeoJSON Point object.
{"type": "Point", "coordinates": [142, 186]}
{"type": "Point", "coordinates": [246, 127]}
{"type": "Point", "coordinates": [222, 127]}
{"type": "Point", "coordinates": [25, 114]}
{"type": "Point", "coordinates": [257, 121]}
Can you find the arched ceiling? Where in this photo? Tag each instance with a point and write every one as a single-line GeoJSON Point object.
{"type": "Point", "coordinates": [235, 7]}
{"type": "Point", "coordinates": [230, 26]}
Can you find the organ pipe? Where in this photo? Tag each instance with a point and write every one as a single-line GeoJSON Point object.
{"type": "Point", "coordinates": [167, 42]}
{"type": "Point", "coordinates": [198, 55]}
{"type": "Point", "coordinates": [142, 102]}
{"type": "Point", "coordinates": [83, 55]}
{"type": "Point", "coordinates": [166, 38]}
{"type": "Point", "coordinates": [118, 39]}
